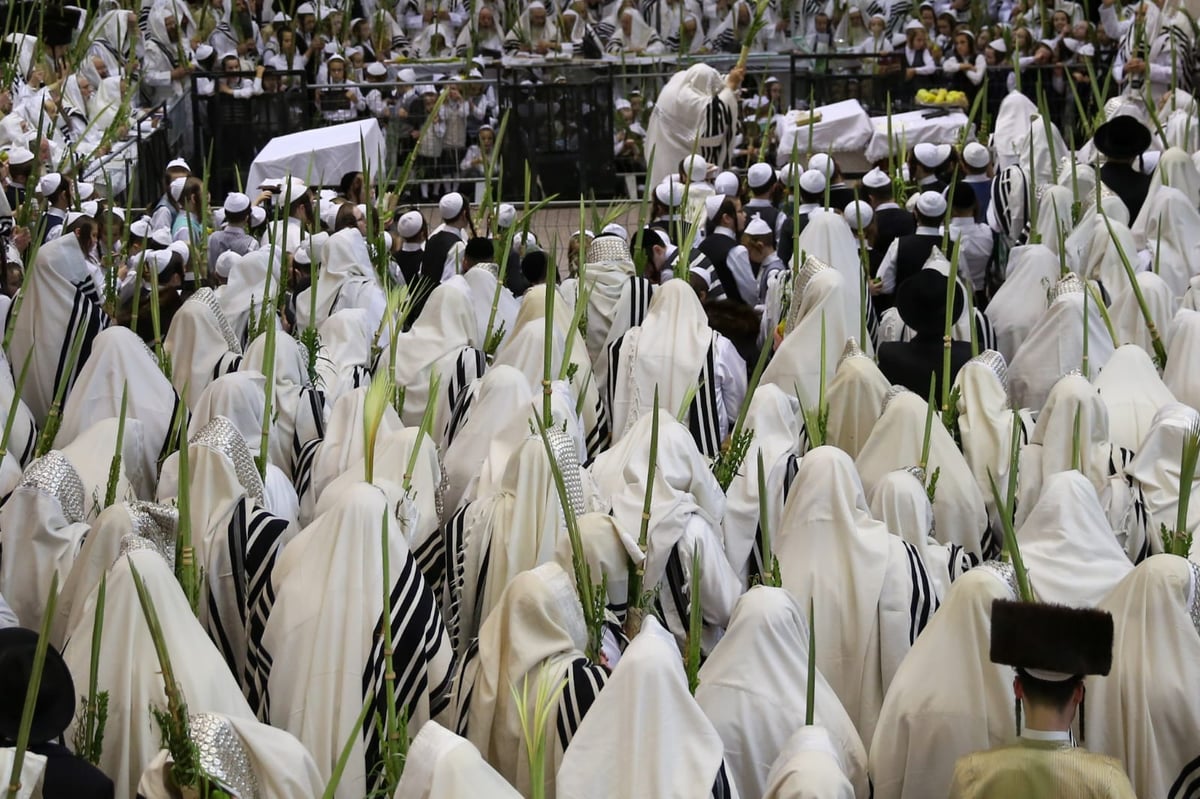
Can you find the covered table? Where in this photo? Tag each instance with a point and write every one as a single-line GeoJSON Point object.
{"type": "Point", "coordinates": [320, 157]}
{"type": "Point", "coordinates": [844, 128]}
{"type": "Point", "coordinates": [914, 127]}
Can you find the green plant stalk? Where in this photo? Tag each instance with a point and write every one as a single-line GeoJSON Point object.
{"type": "Point", "coordinates": [392, 735]}
{"type": "Point", "coordinates": [1182, 538]}
{"type": "Point", "coordinates": [769, 573]}
{"type": "Point", "coordinates": [927, 436]}
{"type": "Point", "coordinates": [810, 693]}
{"type": "Point", "coordinates": [114, 467]}
{"type": "Point", "coordinates": [729, 461]}
{"type": "Point", "coordinates": [1108, 322]}
{"type": "Point", "coordinates": [375, 403]}
{"type": "Point", "coordinates": [637, 572]}
{"type": "Point", "coordinates": [1012, 548]}
{"type": "Point", "coordinates": [54, 415]}
{"type": "Point", "coordinates": [1076, 455]}
{"type": "Point", "coordinates": [1086, 334]}
{"type": "Point", "coordinates": [948, 329]}
{"type": "Point", "coordinates": [185, 564]}
{"type": "Point", "coordinates": [533, 730]}
{"type": "Point", "coordinates": [14, 406]}
{"type": "Point", "coordinates": [31, 691]}
{"type": "Point", "coordinates": [695, 633]}
{"type": "Point", "coordinates": [547, 353]}
{"type": "Point", "coordinates": [428, 419]}
{"type": "Point", "coordinates": [582, 297]}
{"type": "Point", "coordinates": [1160, 350]}
{"type": "Point", "coordinates": [970, 297]}
{"type": "Point", "coordinates": [90, 746]}
{"type": "Point", "coordinates": [268, 419]}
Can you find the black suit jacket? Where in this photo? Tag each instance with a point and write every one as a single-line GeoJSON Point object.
{"type": "Point", "coordinates": [890, 224]}
{"type": "Point", "coordinates": [1127, 183]}
{"type": "Point", "coordinates": [910, 363]}
{"type": "Point", "coordinates": [71, 777]}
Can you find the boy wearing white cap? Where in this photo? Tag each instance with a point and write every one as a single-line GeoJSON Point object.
{"type": "Point", "coordinates": [977, 166]}
{"type": "Point", "coordinates": [928, 164]}
{"type": "Point", "coordinates": [908, 254]}
{"type": "Point", "coordinates": [766, 191]}
{"type": "Point", "coordinates": [56, 191]}
{"type": "Point", "coordinates": [164, 210]}
{"type": "Point", "coordinates": [20, 169]}
{"type": "Point", "coordinates": [410, 227]}
{"type": "Point", "coordinates": [891, 221]}
{"type": "Point", "coordinates": [812, 197]}
{"type": "Point", "coordinates": [445, 245]}
{"type": "Point", "coordinates": [759, 241]}
{"type": "Point", "coordinates": [232, 236]}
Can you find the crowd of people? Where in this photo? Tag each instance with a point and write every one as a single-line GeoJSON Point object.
{"type": "Point", "coordinates": [786, 483]}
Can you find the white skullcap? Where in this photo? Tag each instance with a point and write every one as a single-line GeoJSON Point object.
{"type": "Point", "coordinates": [89, 208]}
{"type": "Point", "coordinates": [451, 205]}
{"type": "Point", "coordinates": [812, 181]}
{"type": "Point", "coordinates": [353, 51]}
{"type": "Point", "coordinates": [536, 4]}
{"type": "Point", "coordinates": [759, 175]}
{"type": "Point", "coordinates": [258, 215]}
{"type": "Point", "coordinates": [376, 69]}
{"type": "Point", "coordinates": [914, 25]}
{"type": "Point", "coordinates": [410, 224]}
{"type": "Point", "coordinates": [302, 256]}
{"type": "Point", "coordinates": [712, 206]}
{"type": "Point", "coordinates": [899, 40]}
{"type": "Point", "coordinates": [931, 204]}
{"type": "Point", "coordinates": [19, 155]}
{"type": "Point", "coordinates": [613, 229]}
{"type": "Point", "coordinates": [727, 183]}
{"type": "Point", "coordinates": [72, 218]}
{"type": "Point", "coordinates": [669, 192]}
{"type": "Point", "coordinates": [976, 155]}
{"type": "Point", "coordinates": [177, 188]}
{"type": "Point", "coordinates": [236, 202]}
{"type": "Point", "coordinates": [280, 18]}
{"type": "Point", "coordinates": [757, 227]}
{"type": "Point", "coordinates": [702, 273]}
{"type": "Point", "coordinates": [858, 214]}
{"type": "Point", "coordinates": [506, 214]}
{"type": "Point", "coordinates": [621, 104]}
{"type": "Point", "coordinates": [178, 163]}
{"type": "Point", "coordinates": [823, 164]}
{"type": "Point", "coordinates": [407, 75]}
{"type": "Point", "coordinates": [49, 183]}
{"type": "Point", "coordinates": [204, 52]}
{"type": "Point", "coordinates": [160, 260]}
{"type": "Point", "coordinates": [306, 8]}
{"type": "Point", "coordinates": [387, 241]}
{"type": "Point", "coordinates": [876, 179]}
{"type": "Point", "coordinates": [225, 262]}
{"type": "Point", "coordinates": [140, 228]}
{"type": "Point", "coordinates": [118, 212]}
{"type": "Point", "coordinates": [524, 239]}
{"type": "Point", "coordinates": [695, 167]}
{"type": "Point", "coordinates": [998, 45]}
{"type": "Point", "coordinates": [327, 195]}
{"type": "Point", "coordinates": [1086, 50]}
{"type": "Point", "coordinates": [788, 172]}
{"type": "Point", "coordinates": [84, 190]}
{"type": "Point", "coordinates": [182, 248]}
{"type": "Point", "coordinates": [296, 189]}
{"type": "Point", "coordinates": [931, 155]}
{"type": "Point", "coordinates": [161, 236]}
{"type": "Point", "coordinates": [218, 217]}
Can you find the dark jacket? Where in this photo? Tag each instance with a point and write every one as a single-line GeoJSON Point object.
{"type": "Point", "coordinates": [910, 363]}
{"type": "Point", "coordinates": [890, 224]}
{"type": "Point", "coordinates": [1128, 184]}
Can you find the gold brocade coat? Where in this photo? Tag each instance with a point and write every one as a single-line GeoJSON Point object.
{"type": "Point", "coordinates": [1039, 770]}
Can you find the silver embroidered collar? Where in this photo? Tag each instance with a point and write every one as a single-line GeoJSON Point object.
{"type": "Point", "coordinates": [206, 297]}
{"type": "Point", "coordinates": [221, 435]}
{"type": "Point", "coordinates": [53, 474]}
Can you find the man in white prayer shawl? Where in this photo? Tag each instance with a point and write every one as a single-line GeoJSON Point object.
{"type": "Point", "coordinates": [442, 765]}
{"type": "Point", "coordinates": [60, 302]}
{"type": "Point", "coordinates": [855, 396]}
{"type": "Point", "coordinates": [1184, 382]}
{"type": "Point", "coordinates": [1133, 391]}
{"type": "Point", "coordinates": [1155, 471]}
{"type": "Point", "coordinates": [696, 114]}
{"type": "Point", "coordinates": [871, 593]}
{"type": "Point", "coordinates": [675, 353]}
{"type": "Point", "coordinates": [300, 406]}
{"type": "Point", "coordinates": [129, 668]}
{"type": "Point", "coordinates": [618, 299]}
{"type": "Point", "coordinates": [752, 689]}
{"type": "Point", "coordinates": [1134, 712]}
{"type": "Point", "coordinates": [809, 767]}
{"type": "Point", "coordinates": [536, 632]}
{"type": "Point", "coordinates": [948, 698]}
{"type": "Point", "coordinates": [323, 637]}
{"type": "Point", "coordinates": [646, 721]}
{"type": "Point", "coordinates": [346, 280]}
{"type": "Point", "coordinates": [201, 344]}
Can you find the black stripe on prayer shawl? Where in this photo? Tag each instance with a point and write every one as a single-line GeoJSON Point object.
{"type": "Point", "coordinates": [961, 562]}
{"type": "Point", "coordinates": [721, 788]}
{"type": "Point", "coordinates": [460, 412]}
{"type": "Point", "coordinates": [417, 635]}
{"type": "Point", "coordinates": [898, 13]}
{"type": "Point", "coordinates": [304, 466]}
{"type": "Point", "coordinates": [674, 615]}
{"type": "Point", "coordinates": [584, 682]}
{"type": "Point", "coordinates": [789, 474]}
{"type": "Point", "coordinates": [1187, 784]}
{"type": "Point", "coordinates": [430, 555]}
{"type": "Point", "coordinates": [313, 400]}
{"type": "Point", "coordinates": [614, 370]}
{"type": "Point", "coordinates": [719, 123]}
{"type": "Point", "coordinates": [462, 722]}
{"type": "Point", "coordinates": [85, 312]}
{"type": "Point", "coordinates": [471, 364]}
{"type": "Point", "coordinates": [923, 601]}
{"type": "Point", "coordinates": [703, 420]}
{"type": "Point", "coordinates": [263, 544]}
{"type": "Point", "coordinates": [640, 294]}
{"type": "Point", "coordinates": [599, 436]}
{"type": "Point", "coordinates": [454, 551]}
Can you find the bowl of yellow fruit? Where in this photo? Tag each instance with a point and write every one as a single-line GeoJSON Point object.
{"type": "Point", "coordinates": [941, 98]}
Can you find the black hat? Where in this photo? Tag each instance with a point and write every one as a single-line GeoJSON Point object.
{"type": "Point", "coordinates": [1055, 642]}
{"type": "Point", "coordinates": [479, 250]}
{"type": "Point", "coordinates": [1122, 138]}
{"type": "Point", "coordinates": [921, 302]}
{"type": "Point", "coordinates": [56, 695]}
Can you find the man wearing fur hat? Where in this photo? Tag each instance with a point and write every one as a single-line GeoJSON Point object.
{"type": "Point", "coordinates": [1052, 648]}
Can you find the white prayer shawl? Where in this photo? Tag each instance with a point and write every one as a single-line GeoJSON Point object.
{"type": "Point", "coordinates": [752, 689]}
{"type": "Point", "coordinates": [129, 667]}
{"type": "Point", "coordinates": [1090, 230]}
{"type": "Point", "coordinates": [1132, 392]}
{"type": "Point", "coordinates": [346, 345]}
{"type": "Point", "coordinates": [871, 592]}
{"type": "Point", "coordinates": [796, 365]}
{"type": "Point", "coordinates": [483, 284]}
{"type": "Point", "coordinates": [1033, 270]}
{"type": "Point", "coordinates": [896, 442]}
{"type": "Point", "coordinates": [22, 442]}
{"type": "Point", "coordinates": [300, 407]}
{"type": "Point", "coordinates": [1054, 346]}
{"type": "Point", "coordinates": [618, 300]}
{"type": "Point", "coordinates": [275, 763]}
{"type": "Point", "coordinates": [774, 416]}
{"type": "Point", "coordinates": [948, 699]}
{"type": "Point", "coordinates": [1173, 237]}
{"type": "Point", "coordinates": [855, 396]}
{"type": "Point", "coordinates": [1054, 215]}
{"type": "Point", "coordinates": [1139, 712]}
{"type": "Point", "coordinates": [442, 765]}
{"type": "Point", "coordinates": [537, 623]}
{"type": "Point", "coordinates": [641, 37]}
{"type": "Point", "coordinates": [120, 360]}
{"type": "Point", "coordinates": [59, 301]}
{"type": "Point", "coordinates": [902, 504]}
{"type": "Point", "coordinates": [1045, 151]}
{"type": "Point", "coordinates": [1126, 312]}
{"type": "Point", "coordinates": [441, 341]}
{"type": "Point", "coordinates": [346, 280]}
{"type": "Point", "coordinates": [1191, 297]}
{"type": "Point", "coordinates": [201, 344]}
{"type": "Point", "coordinates": [1180, 374]}
{"type": "Point", "coordinates": [1174, 169]}
{"type": "Point", "coordinates": [500, 404]}
{"type": "Point", "coordinates": [694, 102]}
{"type": "Point", "coordinates": [809, 767]}
{"type": "Point", "coordinates": [324, 639]}
{"type": "Point", "coordinates": [609, 548]}
{"type": "Point", "coordinates": [1101, 260]}
{"type": "Point", "coordinates": [827, 238]}
{"type": "Point", "coordinates": [253, 281]}
{"type": "Point", "coordinates": [1156, 469]}
{"type": "Point", "coordinates": [666, 352]}
{"type": "Point", "coordinates": [42, 526]}
{"type": "Point", "coordinates": [985, 421]}
{"type": "Point", "coordinates": [1012, 129]}
{"type": "Point", "coordinates": [646, 721]}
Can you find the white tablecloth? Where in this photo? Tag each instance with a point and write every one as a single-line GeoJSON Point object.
{"type": "Point", "coordinates": [844, 128]}
{"type": "Point", "coordinates": [320, 157]}
{"type": "Point", "coordinates": [911, 128]}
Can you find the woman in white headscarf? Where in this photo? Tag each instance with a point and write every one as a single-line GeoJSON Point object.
{"type": "Point", "coordinates": [672, 354]}
{"type": "Point", "coordinates": [1138, 712]}
{"type": "Point", "coordinates": [1133, 392]}
{"type": "Point", "coordinates": [536, 632]}
{"type": "Point", "coordinates": [948, 699]}
{"type": "Point", "coordinates": [645, 735]}
{"type": "Point", "coordinates": [442, 765]}
{"type": "Point", "coordinates": [631, 35]}
{"type": "Point", "coordinates": [871, 592]}
{"type": "Point", "coordinates": [897, 442]}
{"type": "Point", "coordinates": [129, 668]}
{"type": "Point", "coordinates": [697, 111]}
{"type": "Point", "coordinates": [855, 396]}
{"type": "Point", "coordinates": [752, 689]}
{"type": "Point", "coordinates": [1155, 471]}
{"type": "Point", "coordinates": [202, 345]}
{"type": "Point", "coordinates": [1054, 345]}
{"type": "Point", "coordinates": [1020, 302]}
{"type": "Point", "coordinates": [443, 341]}
{"type": "Point", "coordinates": [1172, 225]}
{"type": "Point", "coordinates": [324, 641]}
